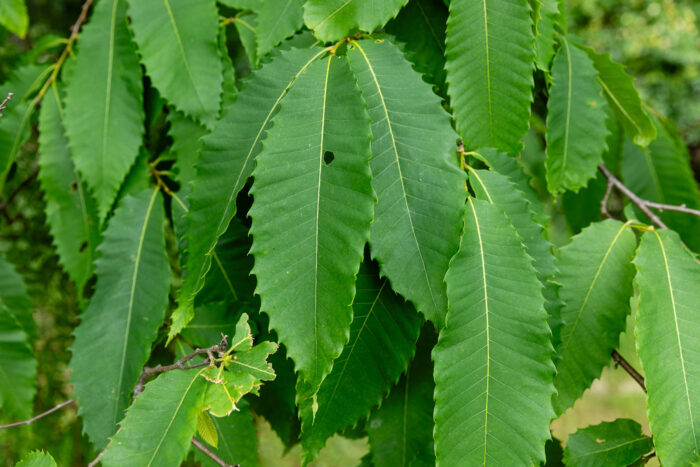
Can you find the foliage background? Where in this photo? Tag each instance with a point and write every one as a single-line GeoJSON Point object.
{"type": "Point", "coordinates": [658, 41]}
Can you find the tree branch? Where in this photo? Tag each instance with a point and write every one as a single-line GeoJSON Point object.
{"type": "Point", "coordinates": [37, 417]}
{"type": "Point", "coordinates": [199, 445]}
{"type": "Point", "coordinates": [620, 361]}
{"type": "Point", "coordinates": [3, 104]}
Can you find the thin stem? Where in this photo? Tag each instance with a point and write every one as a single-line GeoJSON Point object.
{"type": "Point", "coordinates": [37, 417]}
{"type": "Point", "coordinates": [3, 104]}
{"type": "Point", "coordinates": [620, 361]}
{"type": "Point", "coordinates": [199, 445]}
{"type": "Point", "coordinates": [671, 207]}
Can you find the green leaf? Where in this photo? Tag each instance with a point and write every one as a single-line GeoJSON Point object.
{"type": "Point", "coordinates": [160, 424]}
{"type": "Point", "coordinates": [277, 20]}
{"type": "Point", "coordinates": [613, 444]}
{"type": "Point", "coordinates": [246, 26]}
{"type": "Point", "coordinates": [113, 341]}
{"type": "Point", "coordinates": [546, 18]}
{"type": "Point", "coordinates": [420, 28]}
{"type": "Point", "coordinates": [14, 129]}
{"type": "Point", "coordinates": [13, 295]}
{"type": "Point", "coordinates": [13, 16]}
{"type": "Point", "coordinates": [576, 113]}
{"type": "Point", "coordinates": [595, 277]}
{"type": "Point", "coordinates": [226, 162]}
{"type": "Point", "coordinates": [17, 368]}
{"type": "Point", "coordinates": [211, 320]}
{"type": "Point", "coordinates": [104, 103]}
{"type": "Point", "coordinates": [238, 440]}
{"type": "Point", "coordinates": [490, 60]}
{"type": "Point", "coordinates": [37, 459]}
{"type": "Point", "coordinates": [662, 173]}
{"type": "Point", "coordinates": [312, 208]}
{"type": "Point", "coordinates": [186, 134]}
{"type": "Point", "coordinates": [206, 429]}
{"type": "Point", "coordinates": [420, 190]}
{"type": "Point", "coordinates": [401, 430]}
{"type": "Point", "coordinates": [71, 211]}
{"type": "Point", "coordinates": [495, 305]}
{"type": "Point", "coordinates": [383, 336]}
{"type": "Point", "coordinates": [618, 87]}
{"type": "Point", "coordinates": [332, 20]}
{"type": "Point", "coordinates": [181, 35]}
{"type": "Point", "coordinates": [667, 344]}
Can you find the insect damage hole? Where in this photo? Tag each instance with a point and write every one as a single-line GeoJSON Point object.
{"type": "Point", "coordinates": [328, 157]}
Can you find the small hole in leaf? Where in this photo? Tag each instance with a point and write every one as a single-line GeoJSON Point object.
{"type": "Point", "coordinates": [74, 187]}
{"type": "Point", "coordinates": [83, 246]}
{"type": "Point", "coordinates": [328, 157]}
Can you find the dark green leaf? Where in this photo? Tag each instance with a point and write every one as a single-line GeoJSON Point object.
{"type": "Point", "coordinates": [613, 444]}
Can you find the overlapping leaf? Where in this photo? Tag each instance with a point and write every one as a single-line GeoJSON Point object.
{"type": "Point", "coordinates": [238, 440]}
{"type": "Point", "coordinates": [71, 211]}
{"type": "Point", "coordinates": [420, 190]}
{"type": "Point", "coordinates": [277, 20]}
{"type": "Point", "coordinates": [226, 162]}
{"type": "Point", "coordinates": [614, 444]}
{"type": "Point", "coordinates": [490, 60]}
{"type": "Point", "coordinates": [667, 344]}
{"type": "Point", "coordinates": [113, 341]}
{"type": "Point", "coordinates": [186, 134]}
{"type": "Point", "coordinates": [37, 459]}
{"type": "Point", "coordinates": [177, 42]}
{"type": "Point", "coordinates": [595, 277]}
{"type": "Point", "coordinates": [313, 204]}
{"type": "Point", "coordinates": [334, 19]}
{"type": "Point", "coordinates": [104, 103]}
{"type": "Point", "coordinates": [576, 113]}
{"type": "Point", "coordinates": [547, 15]}
{"type": "Point", "coordinates": [382, 341]}
{"type": "Point", "coordinates": [13, 16]}
{"type": "Point", "coordinates": [13, 295]}
{"type": "Point", "coordinates": [17, 368]}
{"type": "Point", "coordinates": [495, 306]}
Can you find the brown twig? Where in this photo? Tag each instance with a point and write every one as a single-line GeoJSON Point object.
{"type": "Point", "coordinates": [199, 445]}
{"type": "Point", "coordinates": [37, 417]}
{"type": "Point", "coordinates": [604, 201]}
{"type": "Point", "coordinates": [219, 348]}
{"type": "Point", "coordinates": [620, 361]}
{"type": "Point", "coordinates": [3, 104]}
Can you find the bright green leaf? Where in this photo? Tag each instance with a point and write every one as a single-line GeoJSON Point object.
{"type": "Point", "coordinates": [14, 17]}
{"type": "Point", "coordinates": [178, 44]}
{"type": "Point", "coordinates": [613, 444]}
{"type": "Point", "coordinates": [17, 368]}
{"type": "Point", "coordinates": [206, 429]}
{"type": "Point", "coordinates": [490, 61]}
{"type": "Point", "coordinates": [238, 439]}
{"type": "Point", "coordinates": [595, 277]}
{"type": "Point", "coordinates": [576, 113]}
{"type": "Point", "coordinates": [383, 336]}
{"type": "Point", "coordinates": [420, 190]}
{"type": "Point", "coordinates": [104, 104]}
{"type": "Point", "coordinates": [332, 20]}
{"type": "Point", "coordinates": [277, 20]}
{"type": "Point", "coordinates": [667, 344]}
{"type": "Point", "coordinates": [113, 341]}
{"type": "Point", "coordinates": [495, 306]}
{"type": "Point", "coordinates": [37, 459]}
{"type": "Point", "coordinates": [313, 204]}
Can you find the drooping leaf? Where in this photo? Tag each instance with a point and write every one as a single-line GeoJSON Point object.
{"type": "Point", "coordinates": [113, 341]}
{"type": "Point", "coordinates": [160, 424]}
{"type": "Point", "coordinates": [495, 305]}
{"type": "Point", "coordinates": [401, 429]}
{"type": "Point", "coordinates": [104, 103]}
{"type": "Point", "coordinates": [186, 134]}
{"type": "Point", "coordinates": [576, 113]}
{"type": "Point", "coordinates": [226, 162]}
{"type": "Point", "coordinates": [246, 25]}
{"type": "Point", "coordinates": [490, 60]}
{"type": "Point", "coordinates": [71, 211]}
{"type": "Point", "coordinates": [37, 459]}
{"type": "Point", "coordinates": [206, 429]}
{"type": "Point", "coordinates": [17, 368]}
{"type": "Point", "coordinates": [332, 20]}
{"type": "Point", "coordinates": [595, 277]}
{"type": "Point", "coordinates": [13, 295]}
{"type": "Point", "coordinates": [662, 173]}
{"type": "Point", "coordinates": [277, 20]}
{"type": "Point", "coordinates": [420, 190]}
{"type": "Point", "coordinates": [618, 88]}
{"type": "Point", "coordinates": [420, 27]}
{"type": "Point", "coordinates": [613, 444]}
{"type": "Point", "coordinates": [14, 130]}
{"type": "Point", "coordinates": [181, 35]}
{"type": "Point", "coordinates": [667, 344]}
{"type": "Point", "coordinates": [546, 18]}
{"type": "Point", "coordinates": [14, 17]}
{"type": "Point", "coordinates": [313, 204]}
{"type": "Point", "coordinates": [383, 336]}
{"type": "Point", "coordinates": [238, 439]}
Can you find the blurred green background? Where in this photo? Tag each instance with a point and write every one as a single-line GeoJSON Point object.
{"type": "Point", "coordinates": [658, 41]}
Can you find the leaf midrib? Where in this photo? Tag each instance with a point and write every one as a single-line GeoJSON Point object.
{"type": "Point", "coordinates": [108, 96]}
